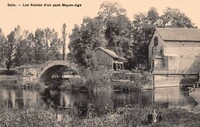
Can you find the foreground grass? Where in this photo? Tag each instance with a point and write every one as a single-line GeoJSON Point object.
{"type": "Point", "coordinates": [123, 117]}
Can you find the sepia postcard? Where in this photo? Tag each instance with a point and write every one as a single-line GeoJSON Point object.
{"type": "Point", "coordinates": [99, 63]}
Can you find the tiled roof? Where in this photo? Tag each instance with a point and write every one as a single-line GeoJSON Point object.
{"type": "Point", "coordinates": [109, 52]}
{"type": "Point", "coordinates": [179, 34]}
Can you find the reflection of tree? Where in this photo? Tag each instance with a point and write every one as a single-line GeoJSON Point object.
{"type": "Point", "coordinates": [55, 99]}
{"type": "Point", "coordinates": [11, 100]}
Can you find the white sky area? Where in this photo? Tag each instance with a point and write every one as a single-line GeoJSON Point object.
{"type": "Point", "coordinates": [31, 18]}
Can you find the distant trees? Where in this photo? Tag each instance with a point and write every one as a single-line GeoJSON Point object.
{"type": "Point", "coordinates": [22, 47]}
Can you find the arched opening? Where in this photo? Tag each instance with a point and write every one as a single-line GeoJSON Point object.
{"type": "Point", "coordinates": [56, 71]}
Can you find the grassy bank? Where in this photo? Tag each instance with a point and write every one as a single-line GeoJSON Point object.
{"type": "Point", "coordinates": [123, 117]}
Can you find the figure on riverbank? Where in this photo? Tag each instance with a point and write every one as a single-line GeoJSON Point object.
{"type": "Point", "coordinates": [160, 117]}
{"type": "Point", "coordinates": [150, 117]}
{"type": "Point", "coordinates": [154, 115]}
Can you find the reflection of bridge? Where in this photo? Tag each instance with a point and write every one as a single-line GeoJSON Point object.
{"type": "Point", "coordinates": [43, 72]}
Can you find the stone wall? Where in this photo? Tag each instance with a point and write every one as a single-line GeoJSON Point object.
{"type": "Point", "coordinates": [183, 56]}
{"type": "Point", "coordinates": [174, 80]}
{"type": "Point", "coordinates": [27, 74]}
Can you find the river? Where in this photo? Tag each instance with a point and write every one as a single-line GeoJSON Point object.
{"type": "Point", "coordinates": [104, 99]}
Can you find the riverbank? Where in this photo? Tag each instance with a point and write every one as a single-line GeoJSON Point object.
{"type": "Point", "coordinates": [196, 95]}
{"type": "Point", "coordinates": [123, 117]}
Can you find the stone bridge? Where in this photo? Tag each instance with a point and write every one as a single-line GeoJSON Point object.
{"type": "Point", "coordinates": [43, 72]}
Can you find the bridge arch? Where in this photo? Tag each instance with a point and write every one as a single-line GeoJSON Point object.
{"type": "Point", "coordinates": [46, 70]}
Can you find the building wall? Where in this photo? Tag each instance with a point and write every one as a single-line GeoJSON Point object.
{"type": "Point", "coordinates": [158, 49]}
{"type": "Point", "coordinates": [179, 57]}
{"type": "Point", "coordinates": [174, 80]}
{"type": "Point", "coordinates": [182, 56]}
{"type": "Point", "coordinates": [104, 59]}
{"type": "Point", "coordinates": [158, 64]}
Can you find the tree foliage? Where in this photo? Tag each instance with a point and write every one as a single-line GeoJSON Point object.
{"type": "Point", "coordinates": [174, 18]}
{"type": "Point", "coordinates": [2, 48]}
{"type": "Point", "coordinates": [22, 47]}
{"type": "Point", "coordinates": [47, 45]}
{"type": "Point", "coordinates": [111, 29]}
{"type": "Point", "coordinates": [84, 40]}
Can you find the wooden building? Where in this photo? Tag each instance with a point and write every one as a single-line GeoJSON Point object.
{"type": "Point", "coordinates": [110, 59]}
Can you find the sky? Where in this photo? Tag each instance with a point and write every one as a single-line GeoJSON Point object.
{"type": "Point", "coordinates": [30, 18]}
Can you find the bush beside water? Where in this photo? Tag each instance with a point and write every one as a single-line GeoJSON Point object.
{"type": "Point", "coordinates": [126, 81]}
{"type": "Point", "coordinates": [118, 81]}
{"type": "Point", "coordinates": [89, 82]}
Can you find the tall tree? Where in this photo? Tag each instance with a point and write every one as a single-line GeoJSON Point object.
{"type": "Point", "coordinates": [64, 34]}
{"type": "Point", "coordinates": [175, 18]}
{"type": "Point", "coordinates": [111, 29]}
{"type": "Point", "coordinates": [53, 45]}
{"type": "Point", "coordinates": [40, 51]}
{"type": "Point", "coordinates": [47, 45]}
{"type": "Point", "coordinates": [110, 9]}
{"type": "Point", "coordinates": [84, 40]}
{"type": "Point", "coordinates": [24, 50]}
{"type": "Point", "coordinates": [118, 29]}
{"type": "Point", "coordinates": [2, 47]}
{"type": "Point", "coordinates": [14, 38]}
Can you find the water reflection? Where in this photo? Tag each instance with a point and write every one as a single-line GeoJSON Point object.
{"type": "Point", "coordinates": [173, 97]}
{"type": "Point", "coordinates": [11, 98]}
{"type": "Point", "coordinates": [104, 99]}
